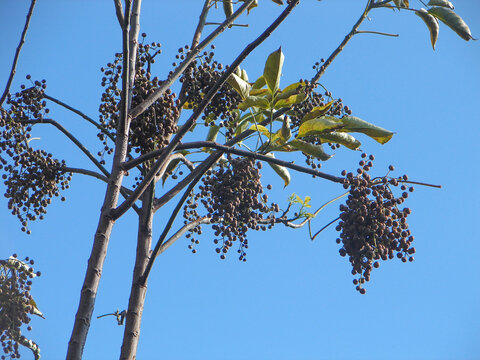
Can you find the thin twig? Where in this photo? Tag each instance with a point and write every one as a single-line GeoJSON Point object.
{"type": "Point", "coordinates": [78, 112]}
{"type": "Point", "coordinates": [199, 110]}
{"type": "Point", "coordinates": [17, 52]}
{"type": "Point", "coordinates": [323, 228]}
{"type": "Point", "coordinates": [340, 47]}
{"type": "Point", "coordinates": [232, 150]}
{"type": "Point", "coordinates": [375, 32]}
{"type": "Point", "coordinates": [215, 23]}
{"type": "Point", "coordinates": [201, 24]}
{"type": "Point", "coordinates": [181, 231]}
{"type": "Point", "coordinates": [73, 139]}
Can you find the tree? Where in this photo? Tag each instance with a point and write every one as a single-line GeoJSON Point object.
{"type": "Point", "coordinates": [306, 120]}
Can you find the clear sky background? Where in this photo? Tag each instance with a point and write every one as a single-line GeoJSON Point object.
{"type": "Point", "coordinates": [293, 298]}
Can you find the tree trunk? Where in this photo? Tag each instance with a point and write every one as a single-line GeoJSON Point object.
{"type": "Point", "coordinates": [137, 293]}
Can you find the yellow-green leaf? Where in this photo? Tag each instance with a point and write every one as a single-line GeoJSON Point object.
{"type": "Point", "coordinates": [344, 139]}
{"type": "Point", "coordinates": [432, 24]}
{"type": "Point", "coordinates": [261, 129]}
{"type": "Point", "coordinates": [319, 125]}
{"type": "Point", "coordinates": [240, 85]}
{"type": "Point", "coordinates": [280, 170]}
{"type": "Point", "coordinates": [291, 100]}
{"type": "Point", "coordinates": [244, 75]}
{"type": "Point", "coordinates": [318, 111]}
{"type": "Point", "coordinates": [285, 131]}
{"type": "Point", "coordinates": [254, 101]}
{"type": "Point", "coordinates": [259, 83]}
{"type": "Point", "coordinates": [354, 124]}
{"type": "Point", "coordinates": [310, 149]}
{"type": "Point", "coordinates": [273, 70]}
{"type": "Point", "coordinates": [279, 2]}
{"type": "Point", "coordinates": [257, 92]}
{"type": "Point", "coordinates": [444, 3]}
{"type": "Point", "coordinates": [452, 20]}
{"type": "Point", "coordinates": [34, 310]}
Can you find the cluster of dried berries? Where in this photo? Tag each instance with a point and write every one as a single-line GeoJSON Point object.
{"type": "Point", "coordinates": [16, 305]}
{"type": "Point", "coordinates": [234, 199]}
{"type": "Point", "coordinates": [372, 226]}
{"type": "Point", "coordinates": [152, 129]}
{"type": "Point", "coordinates": [32, 177]}
{"type": "Point", "coordinates": [198, 79]}
{"type": "Point", "coordinates": [315, 99]}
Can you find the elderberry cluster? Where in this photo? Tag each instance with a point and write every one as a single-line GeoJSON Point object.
{"type": "Point", "coordinates": [32, 176]}
{"type": "Point", "coordinates": [315, 99]}
{"type": "Point", "coordinates": [372, 225]}
{"type": "Point", "coordinates": [197, 81]}
{"type": "Point", "coordinates": [16, 304]}
{"type": "Point", "coordinates": [153, 128]}
{"type": "Point", "coordinates": [234, 199]}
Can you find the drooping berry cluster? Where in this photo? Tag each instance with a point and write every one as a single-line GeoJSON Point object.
{"type": "Point", "coordinates": [372, 225]}
{"type": "Point", "coordinates": [198, 79]}
{"type": "Point", "coordinates": [152, 129]}
{"type": "Point", "coordinates": [16, 305]}
{"type": "Point", "coordinates": [234, 199]}
{"type": "Point", "coordinates": [31, 176]}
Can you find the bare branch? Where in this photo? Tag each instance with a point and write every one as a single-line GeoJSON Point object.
{"type": "Point", "coordinates": [199, 110]}
{"type": "Point", "coordinates": [78, 112]}
{"type": "Point", "coordinates": [375, 32]}
{"type": "Point", "coordinates": [181, 231]}
{"type": "Point", "coordinates": [73, 139]}
{"type": "Point", "coordinates": [340, 47]}
{"type": "Point", "coordinates": [201, 24]}
{"type": "Point", "coordinates": [140, 108]}
{"type": "Point", "coordinates": [119, 12]}
{"type": "Point", "coordinates": [245, 153]}
{"type": "Point", "coordinates": [17, 52]}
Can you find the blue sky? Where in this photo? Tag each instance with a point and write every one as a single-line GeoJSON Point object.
{"type": "Point", "coordinates": [293, 298]}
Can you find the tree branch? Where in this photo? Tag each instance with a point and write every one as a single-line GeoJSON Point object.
{"type": "Point", "coordinates": [199, 110]}
{"type": "Point", "coordinates": [78, 112]}
{"type": "Point", "coordinates": [73, 139]}
{"type": "Point", "coordinates": [201, 24]}
{"type": "Point", "coordinates": [245, 153]}
{"type": "Point", "coordinates": [140, 108]}
{"type": "Point", "coordinates": [17, 52]}
{"type": "Point", "coordinates": [119, 12]}
{"type": "Point", "coordinates": [340, 47]}
{"type": "Point", "coordinates": [181, 231]}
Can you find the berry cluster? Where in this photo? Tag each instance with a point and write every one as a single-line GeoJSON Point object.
{"type": "Point", "coordinates": [198, 79]}
{"type": "Point", "coordinates": [315, 99]}
{"type": "Point", "coordinates": [152, 129]}
{"type": "Point", "coordinates": [32, 177]}
{"type": "Point", "coordinates": [16, 304]}
{"type": "Point", "coordinates": [372, 226]}
{"type": "Point", "coordinates": [234, 199]}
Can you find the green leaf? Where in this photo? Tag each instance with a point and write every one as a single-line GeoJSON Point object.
{"type": "Point", "coordinates": [319, 125]}
{"type": "Point", "coordinates": [273, 70]}
{"type": "Point", "coordinates": [244, 75]}
{"type": "Point", "coordinates": [240, 85]}
{"type": "Point", "coordinates": [299, 86]}
{"type": "Point", "coordinates": [291, 100]}
{"type": "Point", "coordinates": [452, 20]}
{"type": "Point", "coordinates": [401, 3]}
{"type": "Point", "coordinates": [212, 133]}
{"type": "Point", "coordinates": [310, 149]}
{"type": "Point", "coordinates": [318, 111]}
{"type": "Point", "coordinates": [344, 139]}
{"type": "Point", "coordinates": [254, 101]}
{"type": "Point", "coordinates": [257, 92]}
{"type": "Point", "coordinates": [432, 24]}
{"type": "Point", "coordinates": [259, 83]}
{"type": "Point", "coordinates": [262, 129]}
{"type": "Point", "coordinates": [444, 3]}
{"type": "Point", "coordinates": [279, 2]}
{"type": "Point", "coordinates": [354, 124]}
{"type": "Point", "coordinates": [281, 171]}
{"type": "Point", "coordinates": [285, 131]}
